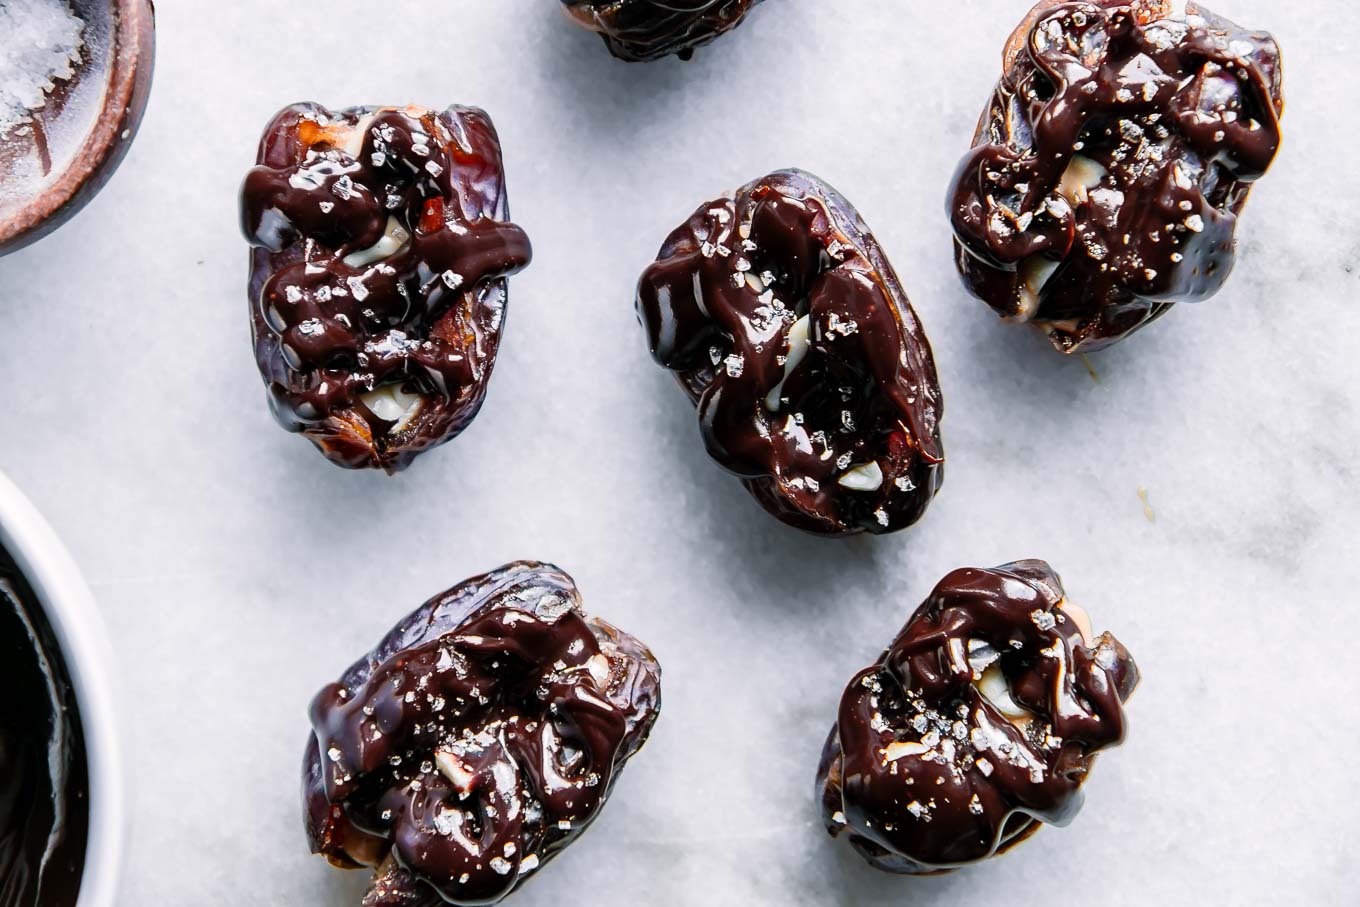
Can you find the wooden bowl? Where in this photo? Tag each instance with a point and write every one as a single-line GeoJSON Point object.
{"type": "Point", "coordinates": [74, 143]}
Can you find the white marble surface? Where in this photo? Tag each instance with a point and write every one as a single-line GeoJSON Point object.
{"type": "Point", "coordinates": [239, 571]}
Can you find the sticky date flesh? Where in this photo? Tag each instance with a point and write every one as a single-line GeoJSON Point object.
{"type": "Point", "coordinates": [813, 379]}
{"type": "Point", "coordinates": [477, 741]}
{"type": "Point", "coordinates": [1109, 170]}
{"type": "Point", "coordinates": [980, 721]}
{"type": "Point", "coordinates": [643, 30]}
{"type": "Point", "coordinates": [380, 251]}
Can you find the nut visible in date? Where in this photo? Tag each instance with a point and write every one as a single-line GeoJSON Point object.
{"type": "Point", "coordinates": [980, 722]}
{"type": "Point", "coordinates": [479, 739]}
{"type": "Point", "coordinates": [783, 321]}
{"type": "Point", "coordinates": [380, 252]}
{"type": "Point", "coordinates": [1108, 172]}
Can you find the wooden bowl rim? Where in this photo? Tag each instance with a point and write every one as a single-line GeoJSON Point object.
{"type": "Point", "coordinates": [134, 43]}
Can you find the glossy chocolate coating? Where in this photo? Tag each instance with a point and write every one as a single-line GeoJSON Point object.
{"type": "Point", "coordinates": [477, 741]}
{"type": "Point", "coordinates": [643, 30]}
{"type": "Point", "coordinates": [44, 786]}
{"type": "Point", "coordinates": [1164, 120]}
{"type": "Point", "coordinates": [926, 772]}
{"type": "Point", "coordinates": [380, 254]}
{"type": "Point", "coordinates": [812, 376]}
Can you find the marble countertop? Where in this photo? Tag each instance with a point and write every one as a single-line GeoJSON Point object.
{"type": "Point", "coordinates": [137, 423]}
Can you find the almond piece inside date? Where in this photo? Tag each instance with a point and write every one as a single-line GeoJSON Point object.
{"type": "Point", "coordinates": [380, 251]}
{"type": "Point", "coordinates": [1109, 170]}
{"type": "Point", "coordinates": [783, 321]}
{"type": "Point", "coordinates": [978, 724]}
{"type": "Point", "coordinates": [477, 741]}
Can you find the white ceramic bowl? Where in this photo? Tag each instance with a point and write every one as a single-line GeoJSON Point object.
{"type": "Point", "coordinates": [70, 609]}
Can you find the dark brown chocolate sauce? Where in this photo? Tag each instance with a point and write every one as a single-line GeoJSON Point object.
{"type": "Point", "coordinates": [643, 30]}
{"type": "Point", "coordinates": [479, 739]}
{"type": "Point", "coordinates": [1108, 173]}
{"type": "Point", "coordinates": [981, 721]}
{"type": "Point", "coordinates": [787, 327]}
{"type": "Point", "coordinates": [378, 273]}
{"type": "Point", "coordinates": [44, 787]}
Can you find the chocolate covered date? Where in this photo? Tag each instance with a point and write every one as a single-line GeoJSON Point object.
{"type": "Point", "coordinates": [813, 379]}
{"type": "Point", "coordinates": [642, 30]}
{"type": "Point", "coordinates": [477, 741]}
{"type": "Point", "coordinates": [1109, 170]}
{"type": "Point", "coordinates": [380, 251]}
{"type": "Point", "coordinates": [981, 721]}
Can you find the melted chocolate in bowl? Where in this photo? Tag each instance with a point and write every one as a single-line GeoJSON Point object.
{"type": "Point", "coordinates": [44, 786]}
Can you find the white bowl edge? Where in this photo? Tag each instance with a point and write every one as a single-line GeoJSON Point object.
{"type": "Point", "coordinates": [70, 609]}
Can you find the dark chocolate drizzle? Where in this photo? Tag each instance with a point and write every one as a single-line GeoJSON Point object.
{"type": "Point", "coordinates": [44, 786]}
{"type": "Point", "coordinates": [789, 330]}
{"type": "Point", "coordinates": [477, 741]}
{"type": "Point", "coordinates": [332, 319]}
{"type": "Point", "coordinates": [1180, 117]}
{"type": "Point", "coordinates": [924, 772]}
{"type": "Point", "coordinates": [643, 30]}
